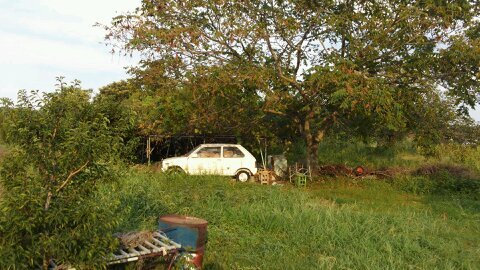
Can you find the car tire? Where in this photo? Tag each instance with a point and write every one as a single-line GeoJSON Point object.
{"type": "Point", "coordinates": [242, 176]}
{"type": "Point", "coordinates": [175, 170]}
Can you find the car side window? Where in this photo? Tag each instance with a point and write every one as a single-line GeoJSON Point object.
{"type": "Point", "coordinates": [232, 152]}
{"type": "Point", "coordinates": [209, 152]}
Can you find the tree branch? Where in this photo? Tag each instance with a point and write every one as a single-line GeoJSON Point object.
{"type": "Point", "coordinates": [275, 112]}
{"type": "Point", "coordinates": [47, 203]}
{"type": "Point", "coordinates": [72, 174]}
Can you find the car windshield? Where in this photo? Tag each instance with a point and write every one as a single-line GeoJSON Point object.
{"type": "Point", "coordinates": [191, 151]}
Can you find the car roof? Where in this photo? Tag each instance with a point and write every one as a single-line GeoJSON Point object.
{"type": "Point", "coordinates": [219, 144]}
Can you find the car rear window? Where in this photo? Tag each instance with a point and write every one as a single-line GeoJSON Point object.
{"type": "Point", "coordinates": [232, 152]}
{"type": "Point", "coordinates": [209, 152]}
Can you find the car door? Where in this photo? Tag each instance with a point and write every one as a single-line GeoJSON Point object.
{"type": "Point", "coordinates": [206, 160]}
{"type": "Point", "coordinates": [232, 160]}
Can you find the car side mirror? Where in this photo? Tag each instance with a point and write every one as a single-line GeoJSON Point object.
{"type": "Point", "coordinates": [194, 155]}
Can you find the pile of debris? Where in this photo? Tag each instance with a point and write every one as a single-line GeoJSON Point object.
{"type": "Point", "coordinates": [336, 170]}
{"type": "Point", "coordinates": [133, 239]}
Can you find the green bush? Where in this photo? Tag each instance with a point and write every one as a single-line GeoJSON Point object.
{"type": "Point", "coordinates": [460, 154]}
{"type": "Point", "coordinates": [354, 153]}
{"type": "Point", "coordinates": [441, 182]}
{"type": "Point", "coordinates": [62, 149]}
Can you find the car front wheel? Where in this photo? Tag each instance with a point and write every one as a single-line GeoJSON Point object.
{"type": "Point", "coordinates": [242, 176]}
{"type": "Point", "coordinates": [175, 170]}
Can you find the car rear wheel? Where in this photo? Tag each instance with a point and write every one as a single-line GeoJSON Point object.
{"type": "Point", "coordinates": [242, 176]}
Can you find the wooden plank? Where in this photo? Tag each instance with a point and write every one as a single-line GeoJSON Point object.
{"type": "Point", "coordinates": [133, 251]}
{"type": "Point", "coordinates": [160, 243]}
{"type": "Point", "coordinates": [123, 255]}
{"type": "Point", "coordinates": [152, 246]}
{"type": "Point", "coordinates": [144, 250]}
{"type": "Point", "coordinates": [169, 241]}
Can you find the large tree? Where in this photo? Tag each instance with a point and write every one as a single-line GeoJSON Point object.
{"type": "Point", "coordinates": [319, 62]}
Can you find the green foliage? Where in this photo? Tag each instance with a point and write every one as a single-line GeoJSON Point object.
{"type": "Point", "coordinates": [337, 224]}
{"type": "Point", "coordinates": [63, 150]}
{"type": "Point", "coordinates": [463, 132]}
{"type": "Point", "coordinates": [442, 182]}
{"type": "Point", "coordinates": [371, 155]}
{"type": "Point", "coordinates": [405, 154]}
{"type": "Point", "coordinates": [5, 107]}
{"type": "Point", "coordinates": [113, 102]}
{"type": "Point", "coordinates": [460, 68]}
{"type": "Point", "coordinates": [467, 155]}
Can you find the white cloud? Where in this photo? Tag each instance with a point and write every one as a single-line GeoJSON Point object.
{"type": "Point", "coordinates": [24, 50]}
{"type": "Point", "coordinates": [47, 38]}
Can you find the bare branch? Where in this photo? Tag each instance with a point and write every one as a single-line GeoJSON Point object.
{"type": "Point", "coordinates": [47, 203]}
{"type": "Point", "coordinates": [71, 175]}
{"type": "Point", "coordinates": [275, 112]}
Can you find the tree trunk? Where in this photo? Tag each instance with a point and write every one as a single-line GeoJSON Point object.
{"type": "Point", "coordinates": [312, 141]}
{"type": "Point", "coordinates": [312, 156]}
{"type": "Point", "coordinates": [46, 262]}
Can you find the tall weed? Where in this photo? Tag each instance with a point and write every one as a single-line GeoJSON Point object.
{"type": "Point", "coordinates": [439, 183]}
{"type": "Point", "coordinates": [460, 154]}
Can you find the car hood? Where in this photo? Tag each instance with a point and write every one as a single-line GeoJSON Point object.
{"type": "Point", "coordinates": [174, 160]}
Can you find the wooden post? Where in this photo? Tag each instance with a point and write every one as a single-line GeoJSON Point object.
{"type": "Point", "coordinates": [148, 150]}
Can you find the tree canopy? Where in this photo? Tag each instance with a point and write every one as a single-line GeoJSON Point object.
{"type": "Point", "coordinates": [316, 63]}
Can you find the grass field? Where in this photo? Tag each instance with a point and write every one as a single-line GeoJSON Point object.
{"type": "Point", "coordinates": [409, 222]}
{"type": "Point", "coordinates": [334, 224]}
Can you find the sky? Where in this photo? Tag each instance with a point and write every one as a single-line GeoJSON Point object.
{"type": "Point", "coordinates": [43, 39]}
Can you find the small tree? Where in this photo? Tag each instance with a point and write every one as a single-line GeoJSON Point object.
{"type": "Point", "coordinates": [50, 208]}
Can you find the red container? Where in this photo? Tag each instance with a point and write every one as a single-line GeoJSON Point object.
{"type": "Point", "coordinates": [190, 232]}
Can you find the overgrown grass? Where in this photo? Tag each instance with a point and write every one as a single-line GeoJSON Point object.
{"type": "Point", "coordinates": [402, 154]}
{"type": "Point", "coordinates": [460, 154]}
{"type": "Point", "coordinates": [355, 153]}
{"type": "Point", "coordinates": [337, 224]}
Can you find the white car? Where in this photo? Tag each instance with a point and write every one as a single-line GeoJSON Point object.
{"type": "Point", "coordinates": [218, 159]}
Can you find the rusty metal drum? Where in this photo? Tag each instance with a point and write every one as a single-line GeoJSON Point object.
{"type": "Point", "coordinates": [190, 232]}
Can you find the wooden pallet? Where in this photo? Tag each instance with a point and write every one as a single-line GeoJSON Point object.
{"type": "Point", "coordinates": [157, 245]}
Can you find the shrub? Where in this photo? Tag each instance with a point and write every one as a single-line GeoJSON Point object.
{"type": "Point", "coordinates": [441, 179]}
{"type": "Point", "coordinates": [460, 154]}
{"type": "Point", "coordinates": [62, 149]}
